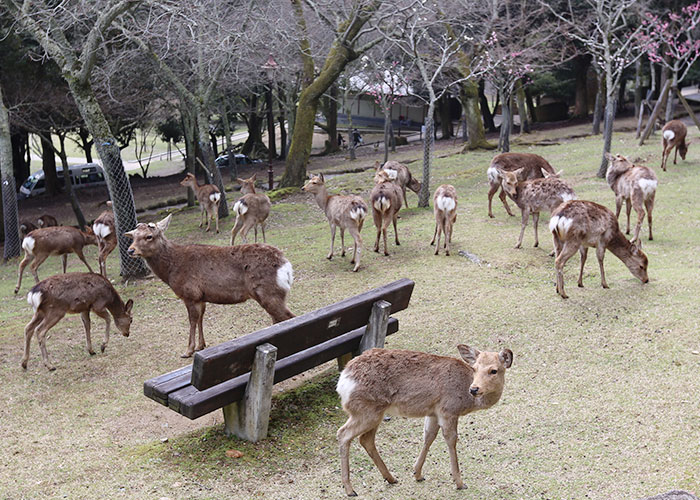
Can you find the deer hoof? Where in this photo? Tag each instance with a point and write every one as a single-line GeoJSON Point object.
{"type": "Point", "coordinates": [447, 252]}
{"type": "Point", "coordinates": [461, 487]}
{"type": "Point", "coordinates": [103, 347]}
{"type": "Point", "coordinates": [536, 244]}
{"type": "Point", "coordinates": [16, 290]}
{"type": "Point", "coordinates": [352, 494]}
{"type": "Point", "coordinates": [24, 365]}
{"type": "Point", "coordinates": [92, 353]}
{"type": "Point", "coordinates": [188, 354]}
{"type": "Point", "coordinates": [329, 256]}
{"type": "Point", "coordinates": [420, 479]}
{"type": "Point", "coordinates": [491, 216]}
{"type": "Point", "coordinates": [386, 254]}
{"type": "Point", "coordinates": [580, 285]}
{"type": "Point", "coordinates": [200, 347]}
{"type": "Point", "coordinates": [51, 368]}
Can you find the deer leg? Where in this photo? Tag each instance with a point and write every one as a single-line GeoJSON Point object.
{"type": "Point", "coordinates": [64, 261]}
{"type": "Point", "coordinates": [600, 253]}
{"type": "Point", "coordinates": [201, 215]}
{"type": "Point", "coordinates": [85, 317]}
{"type": "Point", "coordinates": [357, 237]}
{"type": "Point", "coordinates": [193, 312]}
{"type": "Point", "coordinates": [449, 431]}
{"type": "Point", "coordinates": [492, 190]}
{"type": "Point", "coordinates": [236, 227]}
{"type": "Point", "coordinates": [437, 223]}
{"type": "Point", "coordinates": [330, 254]}
{"type": "Point", "coordinates": [248, 224]}
{"type": "Point", "coordinates": [584, 254]}
{"type": "Point", "coordinates": [274, 302]}
{"type": "Point", "coordinates": [523, 225]}
{"type": "Point", "coordinates": [675, 156]}
{"type": "Point", "coordinates": [639, 208]}
{"type": "Point", "coordinates": [35, 266]}
{"type": "Point", "coordinates": [367, 442]}
{"type": "Point", "coordinates": [502, 196]}
{"type": "Point", "coordinates": [557, 245]}
{"type": "Point", "coordinates": [535, 220]}
{"type": "Point", "coordinates": [385, 227]}
{"type": "Point", "coordinates": [49, 321]}
{"type": "Point", "coordinates": [628, 207]}
{"type": "Point", "coordinates": [79, 253]}
{"type": "Point", "coordinates": [255, 229]}
{"type": "Point", "coordinates": [28, 332]}
{"type": "Point", "coordinates": [448, 236]}
{"type": "Point", "coordinates": [342, 241]}
{"type": "Point", "coordinates": [563, 255]}
{"type": "Point", "coordinates": [405, 201]}
{"type": "Point", "coordinates": [438, 230]}
{"type": "Point", "coordinates": [353, 427]}
{"type": "Point", "coordinates": [200, 340]}
{"type": "Point", "coordinates": [216, 217]}
{"type": "Point", "coordinates": [27, 259]}
{"type": "Point", "coordinates": [649, 205]}
{"type": "Point", "coordinates": [430, 432]}
{"type": "Point", "coordinates": [104, 314]}
{"type": "Point", "coordinates": [262, 228]}
{"type": "Point", "coordinates": [396, 233]}
{"type": "Point", "coordinates": [664, 157]}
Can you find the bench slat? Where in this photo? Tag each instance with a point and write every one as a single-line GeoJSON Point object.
{"type": "Point", "coordinates": [193, 403]}
{"type": "Point", "coordinates": [228, 360]}
{"type": "Point", "coordinates": [158, 388]}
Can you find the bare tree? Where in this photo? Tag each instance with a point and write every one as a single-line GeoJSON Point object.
{"type": "Point", "coordinates": [9, 196]}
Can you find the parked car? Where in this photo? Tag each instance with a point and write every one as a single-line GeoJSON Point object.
{"type": "Point", "coordinates": [240, 159]}
{"type": "Point", "coordinates": [85, 175]}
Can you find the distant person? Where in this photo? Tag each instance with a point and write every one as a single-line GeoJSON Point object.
{"type": "Point", "coordinates": [341, 141]}
{"type": "Point", "coordinates": [356, 138]}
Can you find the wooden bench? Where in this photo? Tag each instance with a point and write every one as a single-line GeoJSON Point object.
{"type": "Point", "coordinates": [238, 375]}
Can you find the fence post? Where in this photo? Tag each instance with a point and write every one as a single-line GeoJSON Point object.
{"type": "Point", "coordinates": [375, 334]}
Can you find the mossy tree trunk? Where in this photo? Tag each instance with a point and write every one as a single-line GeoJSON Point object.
{"type": "Point", "coordinates": [10, 214]}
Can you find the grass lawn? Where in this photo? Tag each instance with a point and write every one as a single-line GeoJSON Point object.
{"type": "Point", "coordinates": [602, 400]}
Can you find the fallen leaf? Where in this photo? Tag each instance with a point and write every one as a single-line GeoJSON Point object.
{"type": "Point", "coordinates": [234, 453]}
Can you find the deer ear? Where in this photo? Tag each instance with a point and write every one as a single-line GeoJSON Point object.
{"type": "Point", "coordinates": [609, 157]}
{"type": "Point", "coordinates": [320, 176]}
{"type": "Point", "coordinates": [377, 165]}
{"type": "Point", "coordinates": [469, 354]}
{"type": "Point", "coordinates": [130, 234]}
{"type": "Point", "coordinates": [127, 307]}
{"type": "Point", "coordinates": [506, 357]}
{"type": "Point", "coordinates": [255, 176]}
{"type": "Point", "coordinates": [163, 225]}
{"type": "Point", "coordinates": [637, 245]}
{"type": "Point", "coordinates": [239, 180]}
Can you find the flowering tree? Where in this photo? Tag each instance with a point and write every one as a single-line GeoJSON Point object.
{"type": "Point", "coordinates": [386, 84]}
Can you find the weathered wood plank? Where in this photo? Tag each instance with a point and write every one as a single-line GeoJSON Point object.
{"type": "Point", "coordinates": [158, 388]}
{"type": "Point", "coordinates": [228, 360]}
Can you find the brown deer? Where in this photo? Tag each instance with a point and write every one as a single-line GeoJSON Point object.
{"type": "Point", "coordinates": [74, 293]}
{"type": "Point", "coordinates": [674, 133]}
{"type": "Point", "coordinates": [635, 185]}
{"type": "Point", "coordinates": [445, 209]}
{"type": "Point", "coordinates": [386, 203]}
{"type": "Point", "coordinates": [25, 228]}
{"type": "Point", "coordinates": [46, 220]}
{"type": "Point", "coordinates": [577, 225]}
{"type": "Point", "coordinates": [529, 166]}
{"type": "Point", "coordinates": [416, 384]}
{"type": "Point", "coordinates": [251, 210]}
{"type": "Point", "coordinates": [208, 196]}
{"type": "Point", "coordinates": [58, 240]}
{"type": "Point", "coordinates": [342, 211]}
{"type": "Point", "coordinates": [220, 275]}
{"type": "Point", "coordinates": [106, 235]}
{"type": "Point", "coordinates": [401, 175]}
{"type": "Point", "coordinates": [533, 196]}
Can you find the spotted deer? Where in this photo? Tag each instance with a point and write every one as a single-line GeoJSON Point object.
{"type": "Point", "coordinates": [208, 196]}
{"type": "Point", "coordinates": [385, 198]}
{"type": "Point", "coordinates": [251, 209]}
{"type": "Point", "coordinates": [674, 134]}
{"type": "Point", "coordinates": [416, 384]}
{"type": "Point", "coordinates": [445, 210]}
{"type": "Point", "coordinates": [342, 211]}
{"type": "Point", "coordinates": [39, 244]}
{"type": "Point", "coordinates": [528, 166]}
{"type": "Point", "coordinates": [219, 275]}
{"type": "Point", "coordinates": [636, 186]}
{"type": "Point", "coordinates": [106, 235]}
{"type": "Point", "coordinates": [74, 293]}
{"type": "Point", "coordinates": [46, 220]}
{"type": "Point", "coordinates": [578, 225]}
{"type": "Point", "coordinates": [533, 196]}
{"type": "Point", "coordinates": [401, 175]}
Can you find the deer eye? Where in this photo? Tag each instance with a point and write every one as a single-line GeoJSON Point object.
{"type": "Point", "coordinates": [494, 372]}
{"type": "Point", "coordinates": [149, 237]}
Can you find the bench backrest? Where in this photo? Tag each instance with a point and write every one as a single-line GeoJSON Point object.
{"type": "Point", "coordinates": [225, 361]}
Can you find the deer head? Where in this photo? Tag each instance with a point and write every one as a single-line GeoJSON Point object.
{"type": "Point", "coordinates": [148, 239]}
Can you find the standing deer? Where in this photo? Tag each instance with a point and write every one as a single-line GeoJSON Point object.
{"type": "Point", "coordinates": [25, 228]}
{"type": "Point", "coordinates": [251, 209]}
{"type": "Point", "coordinates": [400, 174]}
{"type": "Point", "coordinates": [386, 203]}
{"type": "Point", "coordinates": [342, 211]}
{"type": "Point", "coordinates": [674, 133]}
{"type": "Point", "coordinates": [635, 185]}
{"type": "Point", "coordinates": [74, 293]}
{"type": "Point", "coordinates": [577, 225]}
{"type": "Point", "coordinates": [533, 196]}
{"type": "Point", "coordinates": [220, 275]}
{"type": "Point", "coordinates": [208, 196]}
{"type": "Point", "coordinates": [106, 235]}
{"type": "Point", "coordinates": [445, 209]}
{"type": "Point", "coordinates": [58, 240]}
{"type": "Point", "coordinates": [416, 384]}
{"type": "Point", "coordinates": [46, 220]}
{"type": "Point", "coordinates": [528, 166]}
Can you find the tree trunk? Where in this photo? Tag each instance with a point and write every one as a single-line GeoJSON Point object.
{"type": "Point", "coordinates": [48, 160]}
{"type": "Point", "coordinates": [637, 88]}
{"type": "Point", "coordinates": [665, 76]}
{"type": "Point", "coordinates": [581, 65]}
{"type": "Point", "coordinates": [67, 184]}
{"type": "Point", "coordinates": [283, 134]}
{"type": "Point", "coordinates": [392, 139]}
{"type": "Point", "coordinates": [214, 144]}
{"type": "Point", "coordinates": [271, 140]}
{"type": "Point", "coordinates": [445, 117]}
{"type": "Point", "coordinates": [86, 144]}
{"type": "Point", "coordinates": [610, 107]}
{"type": "Point", "coordinates": [387, 123]}
{"type": "Point", "coordinates": [226, 125]}
{"type": "Point", "coordinates": [476, 135]}
{"type": "Point", "coordinates": [671, 102]}
{"type": "Point", "coordinates": [20, 155]}
{"type": "Point", "coordinates": [530, 105]}
{"type": "Point", "coordinates": [254, 143]}
{"type": "Point", "coordinates": [208, 160]}
{"type": "Point", "coordinates": [188, 131]}
{"type": "Point", "coordinates": [522, 109]}
{"type": "Point", "coordinates": [486, 114]}
{"type": "Point", "coordinates": [428, 143]}
{"type": "Point", "coordinates": [10, 214]}
{"type": "Point", "coordinates": [598, 106]}
{"type": "Point", "coordinates": [330, 111]}
{"type": "Point", "coordinates": [504, 140]}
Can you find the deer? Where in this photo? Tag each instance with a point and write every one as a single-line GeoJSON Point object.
{"type": "Point", "coordinates": [416, 384]}
{"type": "Point", "coordinates": [25, 228]}
{"type": "Point", "coordinates": [46, 220]}
{"type": "Point", "coordinates": [201, 274]}
{"type": "Point", "coordinates": [106, 235]}
{"type": "Point", "coordinates": [385, 198]}
{"type": "Point", "coordinates": [400, 174]}
{"type": "Point", "coordinates": [635, 185]}
{"type": "Point", "coordinates": [39, 244]}
{"type": "Point", "coordinates": [74, 293]}
{"type": "Point", "coordinates": [208, 196]}
{"type": "Point", "coordinates": [528, 165]}
{"type": "Point", "coordinates": [533, 196]}
{"type": "Point", "coordinates": [445, 210]}
{"type": "Point", "coordinates": [251, 210]}
{"type": "Point", "coordinates": [578, 225]}
{"type": "Point", "coordinates": [346, 212]}
{"type": "Point", "coordinates": [674, 133]}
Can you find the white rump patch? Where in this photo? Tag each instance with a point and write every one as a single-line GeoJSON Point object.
{"type": "Point", "coordinates": [393, 174]}
{"type": "Point", "coordinates": [560, 224]}
{"type": "Point", "coordinates": [285, 276]}
{"type": "Point", "coordinates": [34, 299]}
{"type": "Point", "coordinates": [445, 203]}
{"type": "Point", "coordinates": [214, 197]}
{"type": "Point", "coordinates": [240, 208]}
{"type": "Point", "coordinates": [28, 244]}
{"type": "Point", "coordinates": [382, 204]}
{"type": "Point", "coordinates": [568, 196]}
{"type": "Point", "coordinates": [101, 230]}
{"type": "Point", "coordinates": [358, 213]}
{"type": "Point", "coordinates": [493, 175]}
{"type": "Point", "coordinates": [345, 386]}
{"type": "Point", "coordinates": [669, 135]}
{"type": "Point", "coordinates": [648, 186]}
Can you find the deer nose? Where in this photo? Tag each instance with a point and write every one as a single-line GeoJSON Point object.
{"type": "Point", "coordinates": [130, 251]}
{"type": "Point", "coordinates": [474, 390]}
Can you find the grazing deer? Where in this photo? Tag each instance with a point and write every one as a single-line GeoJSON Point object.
{"type": "Point", "coordinates": [342, 211]}
{"type": "Point", "coordinates": [577, 225]}
{"type": "Point", "coordinates": [528, 166]}
{"type": "Point", "coordinates": [25, 228]}
{"type": "Point", "coordinates": [445, 209]}
{"type": "Point", "coordinates": [208, 196]}
{"type": "Point", "coordinates": [251, 209]}
{"type": "Point", "coordinates": [58, 240]}
{"type": "Point", "coordinates": [220, 275]}
{"type": "Point", "coordinates": [674, 133]}
{"type": "Point", "coordinates": [386, 203]}
{"type": "Point", "coordinates": [106, 235]}
{"type": "Point", "coordinates": [416, 384]}
{"type": "Point", "coordinates": [635, 185]}
{"type": "Point", "coordinates": [400, 174]}
{"type": "Point", "coordinates": [74, 293]}
{"type": "Point", "coordinates": [533, 196]}
{"type": "Point", "coordinates": [46, 220]}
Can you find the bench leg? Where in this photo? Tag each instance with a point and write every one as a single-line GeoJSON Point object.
{"type": "Point", "coordinates": [248, 419]}
{"type": "Point", "coordinates": [375, 334]}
